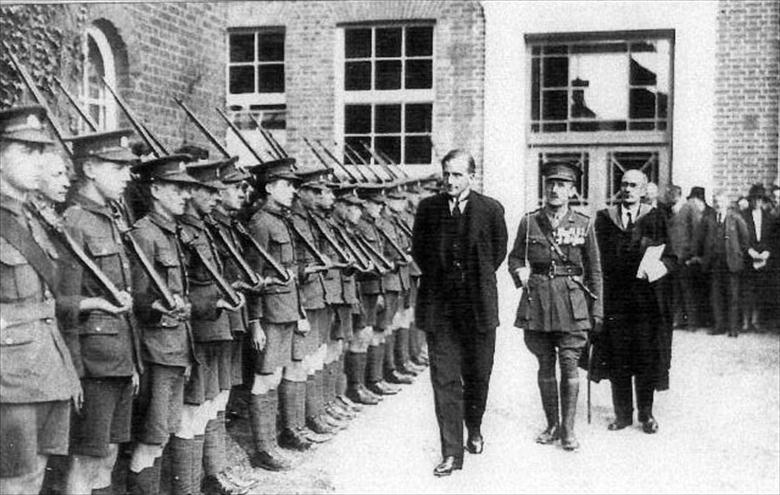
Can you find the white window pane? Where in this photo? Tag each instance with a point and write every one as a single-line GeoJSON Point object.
{"type": "Point", "coordinates": [599, 86]}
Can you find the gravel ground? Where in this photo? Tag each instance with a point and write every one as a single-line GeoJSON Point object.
{"type": "Point", "coordinates": [720, 433]}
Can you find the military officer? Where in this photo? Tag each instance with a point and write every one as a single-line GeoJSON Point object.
{"type": "Point", "coordinates": [166, 342]}
{"type": "Point", "coordinates": [200, 439]}
{"type": "Point", "coordinates": [38, 378]}
{"type": "Point", "coordinates": [274, 315]}
{"type": "Point", "coordinates": [104, 344]}
{"type": "Point", "coordinates": [555, 260]}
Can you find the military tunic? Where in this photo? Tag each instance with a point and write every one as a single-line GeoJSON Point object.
{"type": "Point", "coordinates": [371, 284]}
{"type": "Point", "coordinates": [554, 299]}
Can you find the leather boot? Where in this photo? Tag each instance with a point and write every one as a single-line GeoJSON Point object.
{"type": "Point", "coordinates": [389, 353]}
{"type": "Point", "coordinates": [262, 419]}
{"type": "Point", "coordinates": [356, 372]}
{"type": "Point", "coordinates": [301, 422]}
{"type": "Point", "coordinates": [290, 438]}
{"type": "Point", "coordinates": [401, 349]}
{"type": "Point", "coordinates": [214, 454]}
{"type": "Point", "coordinates": [548, 389]}
{"type": "Point", "coordinates": [146, 482]}
{"type": "Point", "coordinates": [569, 390]}
{"type": "Point", "coordinates": [314, 405]}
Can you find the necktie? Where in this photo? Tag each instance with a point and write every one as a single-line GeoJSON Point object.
{"type": "Point", "coordinates": [720, 218]}
{"type": "Point", "coordinates": [456, 213]}
{"type": "Point", "coordinates": [630, 222]}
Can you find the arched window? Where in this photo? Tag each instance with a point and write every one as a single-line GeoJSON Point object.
{"type": "Point", "coordinates": [99, 62]}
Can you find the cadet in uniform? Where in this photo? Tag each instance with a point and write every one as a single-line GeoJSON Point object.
{"type": "Point", "coordinates": [556, 260]}
{"type": "Point", "coordinates": [274, 315]}
{"type": "Point", "coordinates": [38, 379]}
{"type": "Point", "coordinates": [201, 436]}
{"type": "Point", "coordinates": [166, 342]}
{"type": "Point", "coordinates": [372, 292]}
{"type": "Point", "coordinates": [104, 344]}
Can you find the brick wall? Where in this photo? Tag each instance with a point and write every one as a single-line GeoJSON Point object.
{"type": "Point", "coordinates": [311, 29]}
{"type": "Point", "coordinates": [747, 93]}
{"type": "Point", "coordinates": [161, 50]}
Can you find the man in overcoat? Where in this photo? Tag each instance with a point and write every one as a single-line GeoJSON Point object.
{"type": "Point", "coordinates": [459, 240]}
{"type": "Point", "coordinates": [637, 328]}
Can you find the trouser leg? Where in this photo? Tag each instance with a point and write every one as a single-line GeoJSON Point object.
{"type": "Point", "coordinates": [445, 361]}
{"type": "Point", "coordinates": [622, 401]}
{"type": "Point", "coordinates": [733, 302]}
{"type": "Point", "coordinates": [478, 352]}
{"type": "Point", "coordinates": [717, 300]}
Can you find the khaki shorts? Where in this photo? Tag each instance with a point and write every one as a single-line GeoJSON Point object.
{"type": "Point", "coordinates": [30, 430]}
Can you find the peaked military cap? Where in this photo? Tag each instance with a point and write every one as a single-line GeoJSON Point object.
{"type": "Point", "coordinates": [370, 191]}
{"type": "Point", "coordinates": [347, 193]}
{"type": "Point", "coordinates": [195, 151]}
{"type": "Point", "coordinates": [230, 173]}
{"type": "Point", "coordinates": [315, 178]}
{"type": "Point", "coordinates": [169, 168]}
{"type": "Point", "coordinates": [275, 170]}
{"type": "Point", "coordinates": [24, 124]}
{"type": "Point", "coordinates": [207, 173]}
{"type": "Point", "coordinates": [568, 170]}
{"type": "Point", "coordinates": [110, 146]}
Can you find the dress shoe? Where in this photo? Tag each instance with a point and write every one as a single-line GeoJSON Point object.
{"type": "Point", "coordinates": [362, 396]}
{"type": "Point", "coordinates": [414, 367]}
{"type": "Point", "coordinates": [381, 388]}
{"type": "Point", "coordinates": [398, 378]}
{"type": "Point", "coordinates": [716, 331]}
{"type": "Point", "coordinates": [339, 412]}
{"type": "Point", "coordinates": [733, 333]}
{"type": "Point", "coordinates": [475, 443]}
{"type": "Point", "coordinates": [549, 435]}
{"type": "Point", "coordinates": [219, 484]}
{"type": "Point", "coordinates": [294, 440]}
{"type": "Point", "coordinates": [365, 389]}
{"type": "Point", "coordinates": [333, 422]}
{"type": "Point", "coordinates": [619, 424]}
{"type": "Point", "coordinates": [408, 369]}
{"type": "Point", "coordinates": [345, 402]}
{"type": "Point", "coordinates": [271, 461]}
{"type": "Point", "coordinates": [650, 426]}
{"type": "Point", "coordinates": [447, 466]}
{"type": "Point", "coordinates": [318, 425]}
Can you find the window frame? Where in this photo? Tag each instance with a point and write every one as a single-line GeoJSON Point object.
{"type": "Point", "coordinates": [627, 136]}
{"type": "Point", "coordinates": [374, 97]}
{"type": "Point", "coordinates": [108, 116]}
{"type": "Point", "coordinates": [246, 100]}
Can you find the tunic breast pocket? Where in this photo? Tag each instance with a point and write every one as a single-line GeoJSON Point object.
{"type": "Point", "coordinates": [170, 267]}
{"type": "Point", "coordinates": [101, 324]}
{"type": "Point", "coordinates": [579, 305]}
{"type": "Point", "coordinates": [18, 279]}
{"type": "Point", "coordinates": [538, 249]}
{"type": "Point", "coordinates": [281, 246]}
{"type": "Point", "coordinates": [107, 254]}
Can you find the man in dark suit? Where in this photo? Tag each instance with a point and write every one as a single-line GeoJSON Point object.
{"type": "Point", "coordinates": [757, 281]}
{"type": "Point", "coordinates": [459, 240]}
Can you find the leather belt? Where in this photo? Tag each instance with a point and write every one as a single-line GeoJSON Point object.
{"type": "Point", "coordinates": [552, 270]}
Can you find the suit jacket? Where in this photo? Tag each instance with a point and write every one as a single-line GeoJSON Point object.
{"type": "Point", "coordinates": [486, 248]}
{"type": "Point", "coordinates": [767, 231]}
{"type": "Point", "coordinates": [735, 240]}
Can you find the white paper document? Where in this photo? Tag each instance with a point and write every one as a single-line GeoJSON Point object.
{"type": "Point", "coordinates": [651, 267]}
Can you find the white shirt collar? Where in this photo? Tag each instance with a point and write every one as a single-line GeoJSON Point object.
{"type": "Point", "coordinates": [459, 200]}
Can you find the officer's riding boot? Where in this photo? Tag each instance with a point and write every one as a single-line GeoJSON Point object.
{"type": "Point", "coordinates": [622, 403]}
{"type": "Point", "coordinates": [262, 419]}
{"type": "Point", "coordinates": [180, 450]}
{"type": "Point", "coordinates": [569, 390]}
{"type": "Point", "coordinates": [145, 482]}
{"type": "Point", "coordinates": [356, 374]}
{"type": "Point", "coordinates": [548, 389]}
{"type": "Point", "coordinates": [291, 437]}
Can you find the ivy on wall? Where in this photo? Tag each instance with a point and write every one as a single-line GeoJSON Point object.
{"type": "Point", "coordinates": [47, 40]}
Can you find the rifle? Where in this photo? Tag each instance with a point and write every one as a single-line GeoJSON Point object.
{"type": "Point", "coordinates": [239, 135]}
{"type": "Point", "coordinates": [404, 256]}
{"type": "Point", "coordinates": [332, 157]}
{"type": "Point", "coordinates": [378, 257]}
{"type": "Point", "coordinates": [39, 99]}
{"type": "Point", "coordinates": [360, 257]}
{"type": "Point", "coordinates": [310, 247]}
{"type": "Point", "coordinates": [242, 264]}
{"type": "Point", "coordinates": [275, 266]}
{"type": "Point", "coordinates": [403, 226]}
{"type": "Point", "coordinates": [589, 350]}
{"type": "Point", "coordinates": [352, 177]}
{"type": "Point", "coordinates": [155, 140]}
{"type": "Point", "coordinates": [392, 175]}
{"type": "Point", "coordinates": [49, 219]}
{"type": "Point", "coordinates": [367, 164]}
{"type": "Point", "coordinates": [227, 290]}
{"type": "Point", "coordinates": [271, 143]}
{"type": "Point", "coordinates": [84, 115]}
{"type": "Point", "coordinates": [139, 128]}
{"type": "Point", "coordinates": [202, 128]}
{"type": "Point", "coordinates": [330, 240]}
{"type": "Point", "coordinates": [132, 245]}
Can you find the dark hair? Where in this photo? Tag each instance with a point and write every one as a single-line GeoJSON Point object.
{"type": "Point", "coordinates": [460, 153]}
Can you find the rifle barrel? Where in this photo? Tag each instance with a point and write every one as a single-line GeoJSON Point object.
{"type": "Point", "coordinates": [139, 128]}
{"type": "Point", "coordinates": [84, 115]}
{"type": "Point", "coordinates": [275, 266]}
{"type": "Point", "coordinates": [268, 140]}
{"type": "Point", "coordinates": [239, 135]}
{"type": "Point", "coordinates": [211, 137]}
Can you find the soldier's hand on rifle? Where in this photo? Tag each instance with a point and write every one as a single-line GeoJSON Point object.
{"type": "Point", "coordinates": [303, 326]}
{"type": "Point", "coordinates": [316, 268]}
{"type": "Point", "coordinates": [258, 335]}
{"type": "Point", "coordinates": [222, 304]}
{"type": "Point", "coordinates": [100, 304]}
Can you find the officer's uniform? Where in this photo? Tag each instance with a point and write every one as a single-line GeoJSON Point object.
{"type": "Point", "coordinates": [105, 348]}
{"type": "Point", "coordinates": [555, 310]}
{"type": "Point", "coordinates": [38, 378]}
{"type": "Point", "coordinates": [166, 342]}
